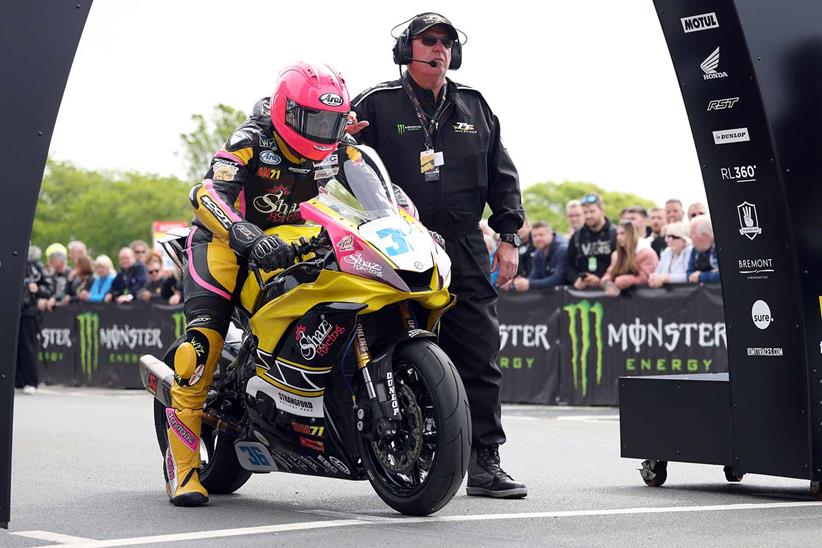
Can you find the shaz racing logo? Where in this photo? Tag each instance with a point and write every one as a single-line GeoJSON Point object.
{"type": "Point", "coordinates": [320, 342]}
{"type": "Point", "coordinates": [634, 343]}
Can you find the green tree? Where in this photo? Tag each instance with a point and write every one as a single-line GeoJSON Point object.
{"type": "Point", "coordinates": [207, 137]}
{"type": "Point", "coordinates": [106, 210]}
{"type": "Point", "coordinates": [546, 201]}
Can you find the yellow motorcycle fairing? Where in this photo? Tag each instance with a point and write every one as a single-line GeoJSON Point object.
{"type": "Point", "coordinates": [273, 318]}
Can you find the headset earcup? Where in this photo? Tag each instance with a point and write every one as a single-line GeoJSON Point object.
{"type": "Point", "coordinates": [402, 49]}
{"type": "Point", "coordinates": [456, 56]}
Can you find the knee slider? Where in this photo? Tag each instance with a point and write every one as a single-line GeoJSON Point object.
{"type": "Point", "coordinates": [193, 356]}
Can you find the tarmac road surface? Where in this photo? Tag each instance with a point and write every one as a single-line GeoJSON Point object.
{"type": "Point", "coordinates": [87, 472]}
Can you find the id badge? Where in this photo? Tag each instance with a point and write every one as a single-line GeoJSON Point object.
{"type": "Point", "coordinates": [430, 162]}
{"type": "Point", "coordinates": [592, 264]}
{"type": "Point", "coordinates": [427, 160]}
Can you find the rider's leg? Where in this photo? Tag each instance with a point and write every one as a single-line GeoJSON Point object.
{"type": "Point", "coordinates": [211, 277]}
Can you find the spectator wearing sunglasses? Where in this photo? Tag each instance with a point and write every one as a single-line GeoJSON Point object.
{"type": "Point", "coordinates": [695, 209]}
{"type": "Point", "coordinates": [440, 142]}
{"type": "Point", "coordinates": [673, 263]}
{"type": "Point", "coordinates": [153, 288]}
{"type": "Point", "coordinates": [140, 249]}
{"type": "Point", "coordinates": [589, 250]}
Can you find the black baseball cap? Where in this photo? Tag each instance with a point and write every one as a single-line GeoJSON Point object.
{"type": "Point", "coordinates": [425, 21]}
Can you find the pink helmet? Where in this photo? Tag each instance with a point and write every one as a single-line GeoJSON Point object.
{"type": "Point", "coordinates": [309, 109]}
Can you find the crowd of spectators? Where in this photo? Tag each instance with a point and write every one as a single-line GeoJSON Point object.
{"type": "Point", "coordinates": [641, 248]}
{"type": "Point", "coordinates": [70, 274]}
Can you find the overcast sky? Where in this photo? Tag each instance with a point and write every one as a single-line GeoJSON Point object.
{"type": "Point", "coordinates": [585, 89]}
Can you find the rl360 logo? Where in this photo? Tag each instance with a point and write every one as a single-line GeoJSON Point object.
{"type": "Point", "coordinates": [585, 332]}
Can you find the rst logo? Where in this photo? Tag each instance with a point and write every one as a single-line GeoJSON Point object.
{"type": "Point", "coordinates": [723, 104]}
{"type": "Point", "coordinates": [739, 174]}
{"type": "Point", "coordinates": [696, 23]}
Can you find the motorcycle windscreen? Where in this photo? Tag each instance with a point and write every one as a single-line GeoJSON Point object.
{"type": "Point", "coordinates": [363, 195]}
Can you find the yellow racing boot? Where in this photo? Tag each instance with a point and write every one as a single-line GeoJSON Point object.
{"type": "Point", "coordinates": [194, 364]}
{"type": "Point", "coordinates": [183, 458]}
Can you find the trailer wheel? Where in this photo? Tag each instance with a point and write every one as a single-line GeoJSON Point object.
{"type": "Point", "coordinates": [731, 476]}
{"type": "Point", "coordinates": [654, 472]}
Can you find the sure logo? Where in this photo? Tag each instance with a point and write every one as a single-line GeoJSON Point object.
{"type": "Point", "coordinates": [761, 314]}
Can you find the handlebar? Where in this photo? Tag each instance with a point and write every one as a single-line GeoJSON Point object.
{"type": "Point", "coordinates": [300, 249]}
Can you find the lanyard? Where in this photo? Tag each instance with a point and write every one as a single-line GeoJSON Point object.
{"type": "Point", "coordinates": [429, 127]}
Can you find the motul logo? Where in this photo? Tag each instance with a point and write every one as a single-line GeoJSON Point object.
{"type": "Point", "coordinates": [695, 23]}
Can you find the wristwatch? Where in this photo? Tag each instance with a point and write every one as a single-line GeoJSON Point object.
{"type": "Point", "coordinates": [511, 238]}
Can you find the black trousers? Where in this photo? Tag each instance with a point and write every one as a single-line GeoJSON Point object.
{"type": "Point", "coordinates": [27, 350]}
{"type": "Point", "coordinates": [469, 334]}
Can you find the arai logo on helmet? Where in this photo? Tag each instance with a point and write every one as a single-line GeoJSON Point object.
{"type": "Point", "coordinates": [331, 99]}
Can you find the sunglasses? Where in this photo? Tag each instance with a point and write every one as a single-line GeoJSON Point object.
{"type": "Point", "coordinates": [140, 252]}
{"type": "Point", "coordinates": [153, 271]}
{"type": "Point", "coordinates": [431, 41]}
{"type": "Point", "coordinates": [589, 199]}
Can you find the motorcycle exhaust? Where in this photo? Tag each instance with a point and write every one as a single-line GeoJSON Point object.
{"type": "Point", "coordinates": [157, 378]}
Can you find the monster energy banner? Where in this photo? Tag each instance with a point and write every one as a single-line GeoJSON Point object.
{"type": "Point", "coordinates": [529, 350]}
{"type": "Point", "coordinates": [558, 346]}
{"type": "Point", "coordinates": [590, 340]}
{"type": "Point", "coordinates": [100, 345]}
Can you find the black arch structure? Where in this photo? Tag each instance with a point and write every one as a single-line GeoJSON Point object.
{"type": "Point", "coordinates": [750, 72]}
{"type": "Point", "coordinates": [760, 92]}
{"type": "Point", "coordinates": [38, 39]}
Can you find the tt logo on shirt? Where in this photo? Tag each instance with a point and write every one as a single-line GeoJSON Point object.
{"type": "Point", "coordinates": [464, 127]}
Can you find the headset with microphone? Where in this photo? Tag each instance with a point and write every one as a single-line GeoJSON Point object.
{"type": "Point", "coordinates": [402, 47]}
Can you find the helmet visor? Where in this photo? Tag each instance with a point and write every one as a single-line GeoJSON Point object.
{"type": "Point", "coordinates": [323, 126]}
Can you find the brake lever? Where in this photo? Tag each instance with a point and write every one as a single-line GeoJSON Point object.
{"type": "Point", "coordinates": [252, 264]}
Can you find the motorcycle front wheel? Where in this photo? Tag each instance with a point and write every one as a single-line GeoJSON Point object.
{"type": "Point", "coordinates": [417, 471]}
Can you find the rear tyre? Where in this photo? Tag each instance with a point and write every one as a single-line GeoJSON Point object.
{"type": "Point", "coordinates": [418, 471]}
{"type": "Point", "coordinates": [220, 471]}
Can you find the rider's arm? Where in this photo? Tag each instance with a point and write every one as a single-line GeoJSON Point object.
{"type": "Point", "coordinates": [214, 199]}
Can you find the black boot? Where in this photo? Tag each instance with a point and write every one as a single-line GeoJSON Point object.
{"type": "Point", "coordinates": [487, 479]}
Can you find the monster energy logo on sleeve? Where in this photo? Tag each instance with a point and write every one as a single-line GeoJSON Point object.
{"type": "Point", "coordinates": [179, 324]}
{"type": "Point", "coordinates": [89, 323]}
{"type": "Point", "coordinates": [581, 341]}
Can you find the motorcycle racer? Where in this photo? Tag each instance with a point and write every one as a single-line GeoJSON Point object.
{"type": "Point", "coordinates": [255, 181]}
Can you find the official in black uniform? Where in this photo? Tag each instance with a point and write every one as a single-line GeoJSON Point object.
{"type": "Point", "coordinates": [441, 144]}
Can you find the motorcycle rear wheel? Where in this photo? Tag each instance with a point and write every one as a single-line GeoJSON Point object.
{"type": "Point", "coordinates": [419, 470]}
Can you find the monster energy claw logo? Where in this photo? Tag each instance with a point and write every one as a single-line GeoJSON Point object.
{"type": "Point", "coordinates": [179, 324]}
{"type": "Point", "coordinates": [89, 323]}
{"type": "Point", "coordinates": [581, 341]}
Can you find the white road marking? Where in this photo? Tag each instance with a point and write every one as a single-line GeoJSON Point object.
{"type": "Point", "coordinates": [53, 537]}
{"type": "Point", "coordinates": [521, 417]}
{"type": "Point", "coordinates": [362, 520]}
{"type": "Point", "coordinates": [591, 418]}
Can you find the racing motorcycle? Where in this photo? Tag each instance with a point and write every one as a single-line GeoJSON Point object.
{"type": "Point", "coordinates": [337, 372]}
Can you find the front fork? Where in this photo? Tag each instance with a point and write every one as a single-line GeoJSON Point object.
{"type": "Point", "coordinates": [378, 416]}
